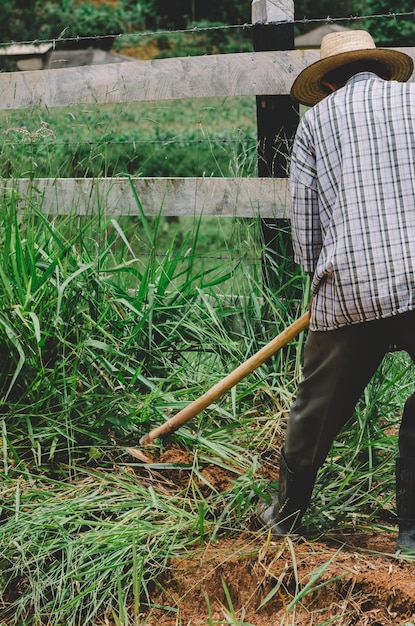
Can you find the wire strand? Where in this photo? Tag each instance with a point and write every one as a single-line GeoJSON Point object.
{"type": "Point", "coordinates": [217, 27]}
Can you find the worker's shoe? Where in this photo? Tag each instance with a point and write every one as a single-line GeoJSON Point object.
{"type": "Point", "coordinates": [405, 505]}
{"type": "Point", "coordinates": [285, 512]}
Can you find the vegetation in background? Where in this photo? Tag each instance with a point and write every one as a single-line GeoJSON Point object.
{"type": "Point", "coordinates": [67, 19]}
{"type": "Point", "coordinates": [75, 23]}
{"type": "Point", "coordinates": [105, 24]}
{"type": "Point", "coordinates": [388, 30]}
{"type": "Point", "coordinates": [206, 137]}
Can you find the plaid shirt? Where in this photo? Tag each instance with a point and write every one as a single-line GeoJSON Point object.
{"type": "Point", "coordinates": [352, 183]}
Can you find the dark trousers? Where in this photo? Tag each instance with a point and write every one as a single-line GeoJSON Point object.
{"type": "Point", "coordinates": [338, 364]}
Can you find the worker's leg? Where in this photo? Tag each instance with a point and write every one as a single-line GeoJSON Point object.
{"type": "Point", "coordinates": [338, 365]}
{"type": "Point", "coordinates": [403, 328]}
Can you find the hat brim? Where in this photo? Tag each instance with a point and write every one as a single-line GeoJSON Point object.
{"type": "Point", "coordinates": [308, 89]}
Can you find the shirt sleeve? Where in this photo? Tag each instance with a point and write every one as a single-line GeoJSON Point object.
{"type": "Point", "coordinates": [305, 220]}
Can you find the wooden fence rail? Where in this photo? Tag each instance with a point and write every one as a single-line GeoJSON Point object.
{"type": "Point", "coordinates": [217, 75]}
{"type": "Point", "coordinates": [224, 197]}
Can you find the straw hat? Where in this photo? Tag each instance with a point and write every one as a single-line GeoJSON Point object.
{"type": "Point", "coordinates": [338, 49]}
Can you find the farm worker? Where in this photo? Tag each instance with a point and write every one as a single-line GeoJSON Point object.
{"type": "Point", "coordinates": [352, 184]}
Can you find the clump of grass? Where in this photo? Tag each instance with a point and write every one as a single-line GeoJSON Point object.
{"type": "Point", "coordinates": [81, 348]}
{"type": "Point", "coordinates": [69, 555]}
{"type": "Point", "coordinates": [97, 338]}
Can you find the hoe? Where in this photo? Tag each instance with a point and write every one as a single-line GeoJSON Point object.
{"type": "Point", "coordinates": [220, 388]}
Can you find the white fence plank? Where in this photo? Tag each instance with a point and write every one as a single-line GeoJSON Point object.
{"type": "Point", "coordinates": [226, 197]}
{"type": "Point", "coordinates": [160, 79]}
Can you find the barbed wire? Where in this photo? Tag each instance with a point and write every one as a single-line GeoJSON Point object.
{"type": "Point", "coordinates": [217, 27]}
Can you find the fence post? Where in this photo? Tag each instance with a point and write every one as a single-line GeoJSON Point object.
{"type": "Point", "coordinates": [277, 120]}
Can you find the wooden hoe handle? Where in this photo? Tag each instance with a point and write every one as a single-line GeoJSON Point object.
{"type": "Point", "coordinates": [201, 403]}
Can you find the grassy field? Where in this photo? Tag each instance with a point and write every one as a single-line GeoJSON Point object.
{"type": "Point", "coordinates": [206, 137]}
{"type": "Point", "coordinates": [107, 329]}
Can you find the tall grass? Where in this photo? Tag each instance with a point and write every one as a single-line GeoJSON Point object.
{"type": "Point", "coordinates": [99, 344]}
{"type": "Point", "coordinates": [89, 329]}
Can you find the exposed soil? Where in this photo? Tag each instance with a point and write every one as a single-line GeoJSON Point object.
{"type": "Point", "coordinates": [348, 579]}
{"type": "Point", "coordinates": [365, 587]}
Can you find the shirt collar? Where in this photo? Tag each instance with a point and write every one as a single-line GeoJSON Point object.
{"type": "Point", "coordinates": [363, 76]}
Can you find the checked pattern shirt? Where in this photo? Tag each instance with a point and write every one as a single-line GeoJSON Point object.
{"type": "Point", "coordinates": [352, 181]}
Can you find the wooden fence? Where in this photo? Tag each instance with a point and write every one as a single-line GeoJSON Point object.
{"type": "Point", "coordinates": [242, 74]}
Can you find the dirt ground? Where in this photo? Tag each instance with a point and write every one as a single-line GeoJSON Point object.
{"type": "Point", "coordinates": [346, 579]}
{"type": "Point", "coordinates": [365, 587]}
